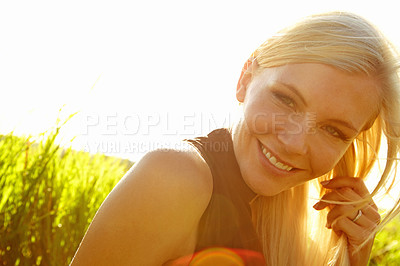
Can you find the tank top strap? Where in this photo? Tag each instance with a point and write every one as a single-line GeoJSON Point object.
{"type": "Point", "coordinates": [227, 220]}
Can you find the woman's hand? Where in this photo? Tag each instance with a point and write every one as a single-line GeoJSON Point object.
{"type": "Point", "coordinates": [357, 223]}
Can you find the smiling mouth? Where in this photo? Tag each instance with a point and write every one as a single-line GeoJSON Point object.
{"type": "Point", "coordinates": [274, 161]}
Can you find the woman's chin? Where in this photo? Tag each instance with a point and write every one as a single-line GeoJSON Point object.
{"type": "Point", "coordinates": [262, 186]}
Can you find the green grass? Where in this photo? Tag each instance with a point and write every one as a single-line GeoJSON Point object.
{"type": "Point", "coordinates": [386, 249]}
{"type": "Point", "coordinates": [49, 195]}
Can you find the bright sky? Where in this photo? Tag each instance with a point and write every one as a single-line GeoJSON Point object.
{"type": "Point", "coordinates": [139, 72]}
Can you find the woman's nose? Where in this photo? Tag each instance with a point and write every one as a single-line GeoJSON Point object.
{"type": "Point", "coordinates": [294, 142]}
{"type": "Point", "coordinates": [293, 136]}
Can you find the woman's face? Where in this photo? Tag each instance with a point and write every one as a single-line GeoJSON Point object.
{"type": "Point", "coordinates": [299, 120]}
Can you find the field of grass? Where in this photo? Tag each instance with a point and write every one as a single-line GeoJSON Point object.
{"type": "Point", "coordinates": [386, 249]}
{"type": "Point", "coordinates": [49, 195]}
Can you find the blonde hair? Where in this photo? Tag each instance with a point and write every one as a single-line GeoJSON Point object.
{"type": "Point", "coordinates": [350, 43]}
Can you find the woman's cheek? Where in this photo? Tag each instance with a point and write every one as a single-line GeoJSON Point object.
{"type": "Point", "coordinates": [258, 122]}
{"type": "Point", "coordinates": [261, 121]}
{"type": "Point", "coordinates": [326, 159]}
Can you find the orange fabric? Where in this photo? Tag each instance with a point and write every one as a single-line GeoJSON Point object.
{"type": "Point", "coordinates": [221, 256]}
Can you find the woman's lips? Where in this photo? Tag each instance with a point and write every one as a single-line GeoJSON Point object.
{"type": "Point", "coordinates": [275, 162]}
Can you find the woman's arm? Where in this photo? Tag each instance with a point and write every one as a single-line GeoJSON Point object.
{"type": "Point", "coordinates": [151, 216]}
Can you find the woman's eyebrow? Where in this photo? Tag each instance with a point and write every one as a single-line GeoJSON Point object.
{"type": "Point", "coordinates": [293, 89]}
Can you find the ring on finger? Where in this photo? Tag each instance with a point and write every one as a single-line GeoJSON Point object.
{"type": "Point", "coordinates": [359, 214]}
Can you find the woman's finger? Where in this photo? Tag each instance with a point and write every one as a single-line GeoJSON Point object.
{"type": "Point", "coordinates": [355, 233]}
{"type": "Point", "coordinates": [347, 213]}
{"type": "Point", "coordinates": [357, 184]}
{"type": "Point", "coordinates": [343, 194]}
{"type": "Point", "coordinates": [367, 218]}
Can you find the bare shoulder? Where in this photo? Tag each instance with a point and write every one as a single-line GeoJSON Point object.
{"type": "Point", "coordinates": [183, 171]}
{"type": "Point", "coordinates": [184, 167]}
{"type": "Point", "coordinates": [152, 215]}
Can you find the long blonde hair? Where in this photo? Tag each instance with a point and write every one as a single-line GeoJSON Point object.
{"type": "Point", "coordinates": [290, 236]}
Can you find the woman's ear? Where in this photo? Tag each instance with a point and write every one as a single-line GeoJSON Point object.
{"type": "Point", "coordinates": [245, 78]}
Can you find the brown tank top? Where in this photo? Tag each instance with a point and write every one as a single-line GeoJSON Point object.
{"type": "Point", "coordinates": [227, 220]}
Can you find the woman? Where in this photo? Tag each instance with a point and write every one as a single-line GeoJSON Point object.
{"type": "Point", "coordinates": [316, 98]}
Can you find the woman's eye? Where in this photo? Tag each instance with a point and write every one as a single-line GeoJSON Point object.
{"type": "Point", "coordinates": [285, 100]}
{"type": "Point", "coordinates": [332, 131]}
{"type": "Point", "coordinates": [335, 132]}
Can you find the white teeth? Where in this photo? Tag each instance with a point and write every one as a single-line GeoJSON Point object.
{"type": "Point", "coordinates": [274, 161]}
